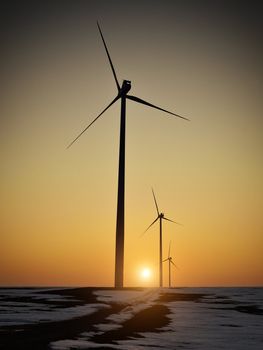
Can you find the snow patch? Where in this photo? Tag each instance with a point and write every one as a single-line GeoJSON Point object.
{"type": "Point", "coordinates": [29, 315]}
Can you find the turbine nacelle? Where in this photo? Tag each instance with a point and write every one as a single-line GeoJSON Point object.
{"type": "Point", "coordinates": [126, 86]}
{"type": "Point", "coordinates": [161, 215]}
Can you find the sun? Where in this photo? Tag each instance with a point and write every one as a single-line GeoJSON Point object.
{"type": "Point", "coordinates": [146, 273]}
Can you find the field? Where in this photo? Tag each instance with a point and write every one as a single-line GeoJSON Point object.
{"type": "Point", "coordinates": [131, 318]}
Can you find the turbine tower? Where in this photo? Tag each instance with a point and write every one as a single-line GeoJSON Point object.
{"type": "Point", "coordinates": [122, 94]}
{"type": "Point", "coordinates": [170, 261]}
{"type": "Point", "coordinates": [160, 217]}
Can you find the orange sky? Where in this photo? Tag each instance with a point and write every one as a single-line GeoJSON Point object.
{"type": "Point", "coordinates": [58, 206]}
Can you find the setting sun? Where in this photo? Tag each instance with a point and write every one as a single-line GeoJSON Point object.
{"type": "Point", "coordinates": [146, 273]}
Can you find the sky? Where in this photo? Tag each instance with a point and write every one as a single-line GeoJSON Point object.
{"type": "Point", "coordinates": [202, 60]}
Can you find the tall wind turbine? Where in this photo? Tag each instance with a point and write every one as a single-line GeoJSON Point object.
{"type": "Point", "coordinates": [170, 261]}
{"type": "Point", "coordinates": [122, 94]}
{"type": "Point", "coordinates": [160, 217]}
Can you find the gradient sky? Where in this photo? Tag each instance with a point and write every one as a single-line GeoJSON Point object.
{"type": "Point", "coordinates": [58, 206]}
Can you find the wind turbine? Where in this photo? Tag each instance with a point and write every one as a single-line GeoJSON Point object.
{"type": "Point", "coordinates": [160, 217]}
{"type": "Point", "coordinates": [122, 94]}
{"type": "Point", "coordinates": [170, 260]}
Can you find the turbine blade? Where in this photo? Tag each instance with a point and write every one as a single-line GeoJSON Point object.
{"type": "Point", "coordinates": [165, 260]}
{"type": "Point", "coordinates": [116, 98]}
{"type": "Point", "coordinates": [150, 226]}
{"type": "Point", "coordinates": [169, 250]}
{"type": "Point", "coordinates": [172, 221]}
{"type": "Point", "coordinates": [174, 265]}
{"type": "Point", "coordinates": [111, 64]}
{"type": "Point", "coordinates": [158, 213]}
{"type": "Point", "coordinates": [139, 100]}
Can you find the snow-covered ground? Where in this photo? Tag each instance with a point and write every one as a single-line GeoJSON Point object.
{"type": "Point", "coordinates": [224, 318]}
{"type": "Point", "coordinates": [210, 324]}
{"type": "Point", "coordinates": [29, 314]}
{"type": "Point", "coordinates": [137, 301]}
{"type": "Point", "coordinates": [37, 310]}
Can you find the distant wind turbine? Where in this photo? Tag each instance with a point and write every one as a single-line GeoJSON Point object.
{"type": "Point", "coordinates": [122, 95]}
{"type": "Point", "coordinates": [170, 260]}
{"type": "Point", "coordinates": [160, 217]}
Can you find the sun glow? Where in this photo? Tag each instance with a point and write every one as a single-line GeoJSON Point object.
{"type": "Point", "coordinates": [146, 273]}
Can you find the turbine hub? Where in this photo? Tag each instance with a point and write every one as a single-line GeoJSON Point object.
{"type": "Point", "coordinates": [126, 86]}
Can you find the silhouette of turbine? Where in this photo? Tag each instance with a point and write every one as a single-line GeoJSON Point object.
{"type": "Point", "coordinates": [122, 95]}
{"type": "Point", "coordinates": [160, 216]}
{"type": "Point", "coordinates": [170, 260]}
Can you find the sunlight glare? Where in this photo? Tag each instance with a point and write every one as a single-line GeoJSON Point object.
{"type": "Point", "coordinates": [146, 273]}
